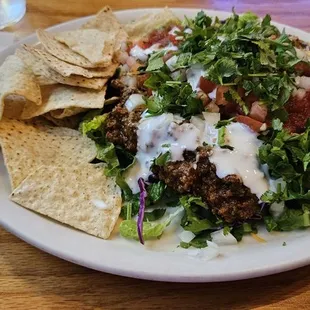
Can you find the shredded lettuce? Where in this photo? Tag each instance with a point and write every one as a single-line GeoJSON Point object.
{"type": "Point", "coordinates": [287, 157]}
{"type": "Point", "coordinates": [197, 217]}
{"type": "Point", "coordinates": [94, 128]}
{"type": "Point", "coordinates": [290, 219]}
{"type": "Point", "coordinates": [128, 228]}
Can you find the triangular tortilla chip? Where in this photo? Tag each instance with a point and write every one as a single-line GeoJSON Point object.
{"type": "Point", "coordinates": [65, 97]}
{"type": "Point", "coordinates": [26, 147]}
{"type": "Point", "coordinates": [80, 196]}
{"type": "Point", "coordinates": [107, 22]}
{"type": "Point", "coordinates": [66, 69]}
{"type": "Point", "coordinates": [17, 79]}
{"type": "Point", "coordinates": [143, 26]}
{"type": "Point", "coordinates": [69, 122]}
{"type": "Point", "coordinates": [47, 76]}
{"type": "Point", "coordinates": [63, 113]}
{"type": "Point", "coordinates": [62, 51]}
{"type": "Point", "coordinates": [95, 45]}
{"type": "Point", "coordinates": [104, 21]}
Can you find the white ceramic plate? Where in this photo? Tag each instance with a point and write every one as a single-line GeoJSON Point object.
{"type": "Point", "coordinates": [248, 259]}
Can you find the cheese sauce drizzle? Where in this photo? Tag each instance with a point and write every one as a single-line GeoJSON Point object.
{"type": "Point", "coordinates": [168, 132]}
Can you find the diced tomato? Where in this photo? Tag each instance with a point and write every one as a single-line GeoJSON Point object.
{"type": "Point", "coordinates": [252, 123]}
{"type": "Point", "coordinates": [173, 39]}
{"type": "Point", "coordinates": [143, 44]}
{"type": "Point", "coordinates": [156, 36]}
{"type": "Point", "coordinates": [220, 95]}
{"type": "Point", "coordinates": [206, 85]}
{"type": "Point", "coordinates": [303, 68]}
{"type": "Point", "coordinates": [258, 111]}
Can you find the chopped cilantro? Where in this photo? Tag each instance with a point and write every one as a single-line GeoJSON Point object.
{"type": "Point", "coordinates": [244, 51]}
{"type": "Point", "coordinates": [156, 61]}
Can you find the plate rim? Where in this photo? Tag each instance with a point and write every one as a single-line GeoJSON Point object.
{"type": "Point", "coordinates": [267, 270]}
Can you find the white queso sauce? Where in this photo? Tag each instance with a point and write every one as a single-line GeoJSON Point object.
{"type": "Point", "coordinates": [166, 132]}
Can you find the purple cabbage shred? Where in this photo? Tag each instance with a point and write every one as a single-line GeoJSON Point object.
{"type": "Point", "coordinates": [143, 195]}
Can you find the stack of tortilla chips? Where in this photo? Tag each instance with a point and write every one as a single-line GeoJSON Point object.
{"type": "Point", "coordinates": [50, 84]}
{"type": "Point", "coordinates": [43, 90]}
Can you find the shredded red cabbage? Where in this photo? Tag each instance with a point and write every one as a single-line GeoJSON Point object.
{"type": "Point", "coordinates": [143, 195]}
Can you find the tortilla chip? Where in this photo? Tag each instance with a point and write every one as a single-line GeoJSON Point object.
{"type": "Point", "coordinates": [13, 106]}
{"type": "Point", "coordinates": [104, 21]}
{"type": "Point", "coordinates": [26, 147]}
{"type": "Point", "coordinates": [63, 113]}
{"type": "Point", "coordinates": [47, 76]}
{"type": "Point", "coordinates": [65, 97]}
{"type": "Point", "coordinates": [80, 196]}
{"type": "Point", "coordinates": [143, 26]}
{"type": "Point", "coordinates": [17, 79]}
{"type": "Point", "coordinates": [95, 45]}
{"type": "Point", "coordinates": [69, 122]}
{"type": "Point", "coordinates": [107, 22]}
{"type": "Point", "coordinates": [66, 69]}
{"type": "Point", "coordinates": [112, 100]}
{"type": "Point", "coordinates": [62, 51]}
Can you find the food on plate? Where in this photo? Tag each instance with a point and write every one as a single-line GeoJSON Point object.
{"type": "Point", "coordinates": [11, 71]}
{"type": "Point", "coordinates": [199, 122]}
{"type": "Point", "coordinates": [27, 146]}
{"type": "Point", "coordinates": [78, 195]}
{"type": "Point", "coordinates": [143, 26]}
{"type": "Point", "coordinates": [81, 41]}
{"type": "Point", "coordinates": [58, 98]}
{"type": "Point", "coordinates": [47, 76]}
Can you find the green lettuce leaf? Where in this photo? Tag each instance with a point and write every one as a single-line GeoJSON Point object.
{"type": "Point", "coordinates": [94, 127]}
{"type": "Point", "coordinates": [154, 215]}
{"type": "Point", "coordinates": [197, 217]}
{"type": "Point", "coordinates": [291, 219]}
{"type": "Point", "coordinates": [107, 154]}
{"type": "Point", "coordinates": [128, 228]}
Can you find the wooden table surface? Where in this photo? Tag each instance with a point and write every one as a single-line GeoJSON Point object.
{"type": "Point", "coordinates": [31, 279]}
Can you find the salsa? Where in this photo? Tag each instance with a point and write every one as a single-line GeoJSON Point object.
{"type": "Point", "coordinates": [161, 36]}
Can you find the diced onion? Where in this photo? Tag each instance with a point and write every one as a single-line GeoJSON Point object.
{"type": "Point", "coordinates": [130, 81]}
{"type": "Point", "coordinates": [212, 95]}
{"type": "Point", "coordinates": [277, 208]}
{"type": "Point", "coordinates": [138, 53]}
{"type": "Point", "coordinates": [220, 238]}
{"type": "Point", "coordinates": [198, 122]}
{"type": "Point", "coordinates": [174, 31]}
{"type": "Point", "coordinates": [134, 101]}
{"type": "Point", "coordinates": [300, 93]}
{"type": "Point", "coordinates": [171, 62]}
{"type": "Point", "coordinates": [211, 118]}
{"type": "Point", "coordinates": [186, 236]}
